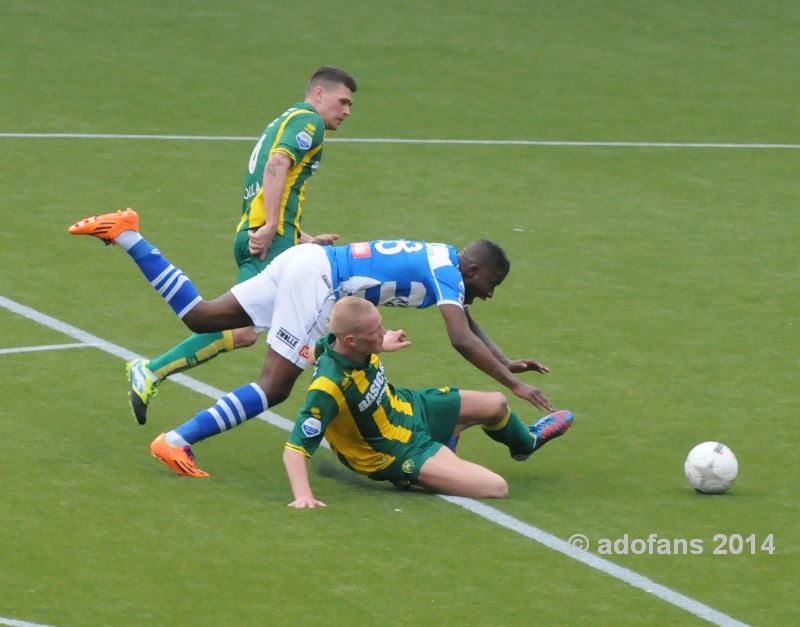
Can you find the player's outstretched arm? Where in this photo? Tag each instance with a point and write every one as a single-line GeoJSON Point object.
{"type": "Point", "coordinates": [323, 239]}
{"type": "Point", "coordinates": [395, 341]}
{"type": "Point", "coordinates": [297, 470]}
{"type": "Point", "coordinates": [514, 365]}
{"type": "Point", "coordinates": [478, 354]}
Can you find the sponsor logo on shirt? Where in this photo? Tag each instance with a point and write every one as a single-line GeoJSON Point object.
{"type": "Point", "coordinates": [303, 140]}
{"type": "Point", "coordinates": [311, 427]}
{"type": "Point", "coordinates": [360, 250]}
{"type": "Point", "coordinates": [287, 338]}
{"type": "Point", "coordinates": [251, 191]}
{"type": "Point", "coordinates": [376, 391]}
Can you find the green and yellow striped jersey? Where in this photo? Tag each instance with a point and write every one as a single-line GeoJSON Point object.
{"type": "Point", "coordinates": [365, 420]}
{"type": "Point", "coordinates": [299, 132]}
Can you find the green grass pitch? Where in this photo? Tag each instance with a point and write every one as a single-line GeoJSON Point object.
{"type": "Point", "coordinates": [661, 285]}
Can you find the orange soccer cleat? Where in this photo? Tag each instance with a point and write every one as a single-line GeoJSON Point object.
{"type": "Point", "coordinates": [107, 226]}
{"type": "Point", "coordinates": [180, 459]}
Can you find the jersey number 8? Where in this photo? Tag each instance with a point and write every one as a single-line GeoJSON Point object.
{"type": "Point", "coordinates": [393, 247]}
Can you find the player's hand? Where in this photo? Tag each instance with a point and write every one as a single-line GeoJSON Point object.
{"type": "Point", "coordinates": [325, 239]}
{"type": "Point", "coordinates": [526, 365]}
{"type": "Point", "coordinates": [306, 502]}
{"type": "Point", "coordinates": [395, 340]}
{"type": "Point", "coordinates": [532, 395]}
{"type": "Point", "coordinates": [260, 241]}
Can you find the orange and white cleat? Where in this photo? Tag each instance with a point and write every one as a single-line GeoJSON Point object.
{"type": "Point", "coordinates": [107, 226]}
{"type": "Point", "coordinates": [180, 459]}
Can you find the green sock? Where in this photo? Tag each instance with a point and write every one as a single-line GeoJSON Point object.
{"type": "Point", "coordinates": [194, 350]}
{"type": "Point", "coordinates": [512, 432]}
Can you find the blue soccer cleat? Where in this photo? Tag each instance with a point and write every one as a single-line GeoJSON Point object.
{"type": "Point", "coordinates": [548, 428]}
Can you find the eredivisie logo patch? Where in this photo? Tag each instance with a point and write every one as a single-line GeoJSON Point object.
{"type": "Point", "coordinates": [303, 140]}
{"type": "Point", "coordinates": [311, 427]}
{"type": "Point", "coordinates": [360, 250]}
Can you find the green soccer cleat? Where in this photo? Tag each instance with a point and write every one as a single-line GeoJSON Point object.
{"type": "Point", "coordinates": [143, 387]}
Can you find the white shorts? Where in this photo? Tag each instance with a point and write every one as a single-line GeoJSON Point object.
{"type": "Point", "coordinates": [292, 297]}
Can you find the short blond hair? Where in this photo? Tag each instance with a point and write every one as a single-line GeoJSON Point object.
{"type": "Point", "coordinates": [348, 314]}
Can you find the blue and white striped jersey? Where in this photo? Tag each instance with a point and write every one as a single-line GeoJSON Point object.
{"type": "Point", "coordinates": [398, 273]}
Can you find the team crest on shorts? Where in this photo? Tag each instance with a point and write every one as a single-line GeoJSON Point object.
{"type": "Point", "coordinates": [408, 467]}
{"type": "Point", "coordinates": [311, 427]}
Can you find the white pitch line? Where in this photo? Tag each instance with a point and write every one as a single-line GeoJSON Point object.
{"type": "Point", "coordinates": [487, 512]}
{"type": "Point", "coordinates": [598, 563]}
{"type": "Point", "coordinates": [46, 347]}
{"type": "Point", "coordinates": [395, 140]}
{"type": "Point", "coordinates": [127, 355]}
{"type": "Point", "coordinates": [19, 623]}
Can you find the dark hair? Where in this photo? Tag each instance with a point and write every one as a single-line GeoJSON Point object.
{"type": "Point", "coordinates": [490, 253]}
{"type": "Point", "coordinates": [330, 74]}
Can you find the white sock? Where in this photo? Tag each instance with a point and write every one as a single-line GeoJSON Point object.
{"type": "Point", "coordinates": [173, 438]}
{"type": "Point", "coordinates": [128, 239]}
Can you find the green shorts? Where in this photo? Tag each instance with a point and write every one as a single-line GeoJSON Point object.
{"type": "Point", "coordinates": [435, 416]}
{"type": "Point", "coordinates": [249, 266]}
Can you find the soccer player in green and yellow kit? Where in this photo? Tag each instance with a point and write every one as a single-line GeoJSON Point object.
{"type": "Point", "coordinates": [397, 434]}
{"type": "Point", "coordinates": [280, 166]}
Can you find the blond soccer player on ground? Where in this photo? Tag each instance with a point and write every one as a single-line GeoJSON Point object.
{"type": "Point", "coordinates": [397, 434]}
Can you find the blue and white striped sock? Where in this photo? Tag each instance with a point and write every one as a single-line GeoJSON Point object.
{"type": "Point", "coordinates": [173, 285]}
{"type": "Point", "coordinates": [229, 411]}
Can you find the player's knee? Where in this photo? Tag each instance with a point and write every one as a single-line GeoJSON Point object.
{"type": "Point", "coordinates": [495, 407]}
{"type": "Point", "coordinates": [497, 488]}
{"type": "Point", "coordinates": [499, 403]}
{"type": "Point", "coordinates": [244, 337]}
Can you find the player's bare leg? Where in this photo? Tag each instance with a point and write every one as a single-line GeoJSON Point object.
{"type": "Point", "coordinates": [220, 314]}
{"type": "Point", "coordinates": [478, 408]}
{"type": "Point", "coordinates": [278, 376]}
{"type": "Point", "coordinates": [446, 473]}
{"type": "Point", "coordinates": [121, 228]}
{"type": "Point", "coordinates": [481, 408]}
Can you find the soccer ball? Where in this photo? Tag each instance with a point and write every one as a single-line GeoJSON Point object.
{"type": "Point", "coordinates": [711, 468]}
